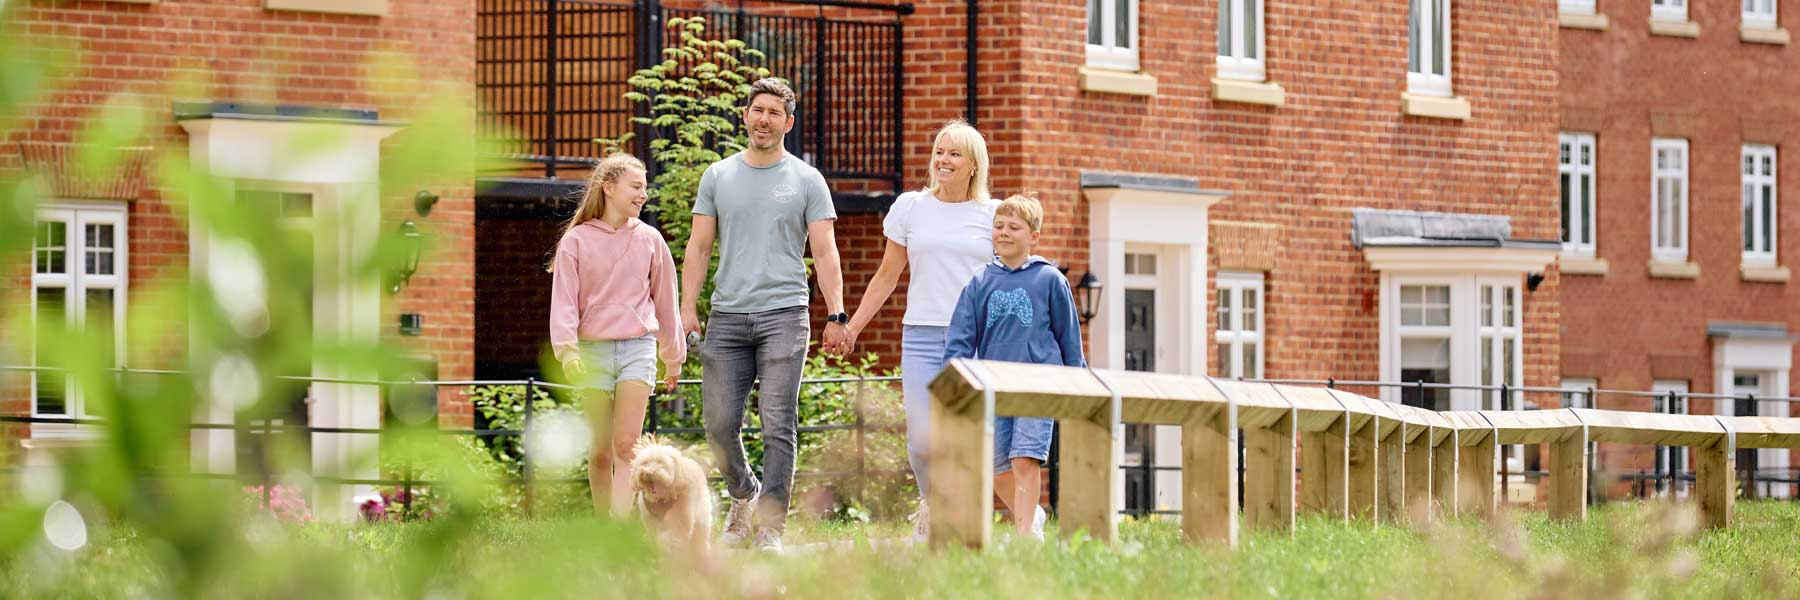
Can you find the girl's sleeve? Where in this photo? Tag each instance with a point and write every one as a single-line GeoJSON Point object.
{"type": "Point", "coordinates": [565, 302]}
{"type": "Point", "coordinates": [667, 298]}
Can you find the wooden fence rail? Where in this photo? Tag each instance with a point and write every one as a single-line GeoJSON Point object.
{"type": "Point", "coordinates": [1358, 457]}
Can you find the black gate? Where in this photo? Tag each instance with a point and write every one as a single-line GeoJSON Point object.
{"type": "Point", "coordinates": [551, 75]}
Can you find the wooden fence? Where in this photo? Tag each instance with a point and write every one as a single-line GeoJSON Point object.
{"type": "Point", "coordinates": [1359, 457]}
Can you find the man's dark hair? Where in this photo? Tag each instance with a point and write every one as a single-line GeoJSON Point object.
{"type": "Point", "coordinates": [775, 86]}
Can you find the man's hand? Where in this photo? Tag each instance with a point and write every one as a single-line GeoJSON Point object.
{"type": "Point", "coordinates": [690, 319]}
{"type": "Point", "coordinates": [837, 339]}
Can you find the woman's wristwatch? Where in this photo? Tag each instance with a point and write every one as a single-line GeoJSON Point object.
{"type": "Point", "coordinates": [840, 318]}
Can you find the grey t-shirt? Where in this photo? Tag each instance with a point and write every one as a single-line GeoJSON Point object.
{"type": "Point", "coordinates": [762, 213]}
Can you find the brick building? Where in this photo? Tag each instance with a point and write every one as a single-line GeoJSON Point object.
{"type": "Point", "coordinates": [258, 75]}
{"type": "Point", "coordinates": [1675, 117]}
{"type": "Point", "coordinates": [1266, 189]}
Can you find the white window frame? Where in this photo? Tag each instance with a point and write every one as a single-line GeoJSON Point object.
{"type": "Point", "coordinates": [1576, 392]}
{"type": "Point", "coordinates": [1669, 10]}
{"type": "Point", "coordinates": [1675, 173]}
{"type": "Point", "coordinates": [1760, 14]}
{"type": "Point", "coordinates": [77, 215]}
{"type": "Point", "coordinates": [1233, 330]}
{"type": "Point", "coordinates": [1577, 164]}
{"type": "Point", "coordinates": [1403, 331]}
{"type": "Point", "coordinates": [1425, 81]}
{"type": "Point", "coordinates": [1465, 332]}
{"type": "Point", "coordinates": [1580, 7]}
{"type": "Point", "coordinates": [1499, 325]}
{"type": "Point", "coordinates": [1109, 54]}
{"type": "Point", "coordinates": [1760, 166]}
{"type": "Point", "coordinates": [1237, 61]}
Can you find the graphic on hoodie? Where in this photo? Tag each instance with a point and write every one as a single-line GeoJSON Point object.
{"type": "Point", "coordinates": [1012, 302]}
{"type": "Point", "coordinates": [1025, 315]}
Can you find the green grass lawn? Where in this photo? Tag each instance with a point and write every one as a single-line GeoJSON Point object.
{"type": "Point", "coordinates": [1624, 551]}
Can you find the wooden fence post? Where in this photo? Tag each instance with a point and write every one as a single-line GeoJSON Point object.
{"type": "Point", "coordinates": [1209, 475]}
{"type": "Point", "coordinates": [1568, 476]}
{"type": "Point", "coordinates": [1715, 478]}
{"type": "Point", "coordinates": [962, 451]}
{"type": "Point", "coordinates": [1090, 471]}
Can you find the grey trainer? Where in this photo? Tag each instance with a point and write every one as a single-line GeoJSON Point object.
{"type": "Point", "coordinates": [737, 522]}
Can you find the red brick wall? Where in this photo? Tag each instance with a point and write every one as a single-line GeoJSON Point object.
{"type": "Point", "coordinates": [236, 51]}
{"type": "Point", "coordinates": [1339, 142]}
{"type": "Point", "coordinates": [1720, 93]}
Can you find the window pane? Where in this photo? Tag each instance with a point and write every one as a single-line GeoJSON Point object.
{"type": "Point", "coordinates": [1122, 27]}
{"type": "Point", "coordinates": [1487, 306]}
{"type": "Point", "coordinates": [1225, 28]}
{"type": "Point", "coordinates": [1425, 360]}
{"type": "Point", "coordinates": [1512, 316]}
{"type": "Point", "coordinates": [1094, 19]}
{"type": "Point", "coordinates": [1437, 36]}
{"type": "Point", "coordinates": [1565, 208]}
{"type": "Point", "coordinates": [1587, 205]}
{"type": "Point", "coordinates": [52, 388]}
{"type": "Point", "coordinates": [1252, 8]}
{"type": "Point", "coordinates": [1749, 202]}
{"type": "Point", "coordinates": [1412, 37]}
{"type": "Point", "coordinates": [51, 247]}
{"type": "Point", "coordinates": [99, 241]}
{"type": "Point", "coordinates": [1749, 165]}
{"type": "Point", "coordinates": [1249, 361]}
{"type": "Point", "coordinates": [1224, 359]}
{"type": "Point", "coordinates": [1224, 309]}
{"type": "Point", "coordinates": [1587, 151]}
{"type": "Point", "coordinates": [1768, 218]}
{"type": "Point", "coordinates": [1768, 165]}
{"type": "Point", "coordinates": [1487, 360]}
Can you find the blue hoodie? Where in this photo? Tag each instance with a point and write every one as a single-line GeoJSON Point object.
{"type": "Point", "coordinates": [1018, 315]}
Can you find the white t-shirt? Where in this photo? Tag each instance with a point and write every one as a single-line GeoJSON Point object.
{"type": "Point", "coordinates": [947, 243]}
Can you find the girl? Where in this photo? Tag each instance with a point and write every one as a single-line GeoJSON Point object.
{"type": "Point", "coordinates": [612, 304]}
{"type": "Point", "coordinates": [945, 232]}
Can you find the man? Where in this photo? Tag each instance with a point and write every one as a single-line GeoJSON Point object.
{"type": "Point", "coordinates": [761, 204]}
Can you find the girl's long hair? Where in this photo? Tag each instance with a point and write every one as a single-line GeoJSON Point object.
{"type": "Point", "coordinates": [593, 198]}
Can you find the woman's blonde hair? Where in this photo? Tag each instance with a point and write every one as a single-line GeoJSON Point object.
{"type": "Point", "coordinates": [593, 198]}
{"type": "Point", "coordinates": [964, 137]}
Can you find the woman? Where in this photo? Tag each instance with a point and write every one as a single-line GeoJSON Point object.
{"type": "Point", "coordinates": [613, 302]}
{"type": "Point", "coordinates": [945, 233]}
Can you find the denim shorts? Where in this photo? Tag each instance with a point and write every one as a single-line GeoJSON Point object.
{"type": "Point", "coordinates": [1021, 437]}
{"type": "Point", "coordinates": [609, 362]}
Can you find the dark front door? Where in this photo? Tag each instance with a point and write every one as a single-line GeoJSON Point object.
{"type": "Point", "coordinates": [1140, 440]}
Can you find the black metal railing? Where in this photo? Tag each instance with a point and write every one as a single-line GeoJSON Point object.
{"type": "Point", "coordinates": [551, 75]}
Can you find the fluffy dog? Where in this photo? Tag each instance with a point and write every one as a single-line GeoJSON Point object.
{"type": "Point", "coordinates": [672, 495]}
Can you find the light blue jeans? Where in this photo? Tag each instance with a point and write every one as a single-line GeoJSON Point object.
{"type": "Point", "coordinates": [921, 357]}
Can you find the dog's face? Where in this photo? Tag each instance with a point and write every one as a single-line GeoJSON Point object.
{"type": "Point", "coordinates": [653, 476]}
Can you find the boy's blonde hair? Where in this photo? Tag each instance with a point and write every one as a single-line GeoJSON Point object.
{"type": "Point", "coordinates": [1024, 207]}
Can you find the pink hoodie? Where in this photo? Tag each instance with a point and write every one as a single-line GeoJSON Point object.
{"type": "Point", "coordinates": [615, 284]}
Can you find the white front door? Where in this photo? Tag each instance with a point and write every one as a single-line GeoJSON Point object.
{"type": "Point", "coordinates": [1748, 385]}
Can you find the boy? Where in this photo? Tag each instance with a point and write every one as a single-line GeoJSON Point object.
{"type": "Point", "coordinates": [1018, 309]}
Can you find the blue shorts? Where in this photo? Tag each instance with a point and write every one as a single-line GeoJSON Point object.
{"type": "Point", "coordinates": [1021, 437]}
{"type": "Point", "coordinates": [611, 362]}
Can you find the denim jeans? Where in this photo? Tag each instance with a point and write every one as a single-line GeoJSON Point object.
{"type": "Point", "coordinates": [921, 357]}
{"type": "Point", "coordinates": [738, 349]}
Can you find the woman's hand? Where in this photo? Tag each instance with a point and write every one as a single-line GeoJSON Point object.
{"type": "Point", "coordinates": [573, 370]}
{"type": "Point", "coordinates": [671, 377]}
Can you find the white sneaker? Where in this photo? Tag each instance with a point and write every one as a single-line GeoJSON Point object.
{"type": "Point", "coordinates": [922, 524]}
{"type": "Point", "coordinates": [1037, 523]}
{"type": "Point", "coordinates": [768, 540]}
{"type": "Point", "coordinates": [737, 522]}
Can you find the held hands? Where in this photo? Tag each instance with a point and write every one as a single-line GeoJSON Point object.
{"type": "Point", "coordinates": [838, 339]}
